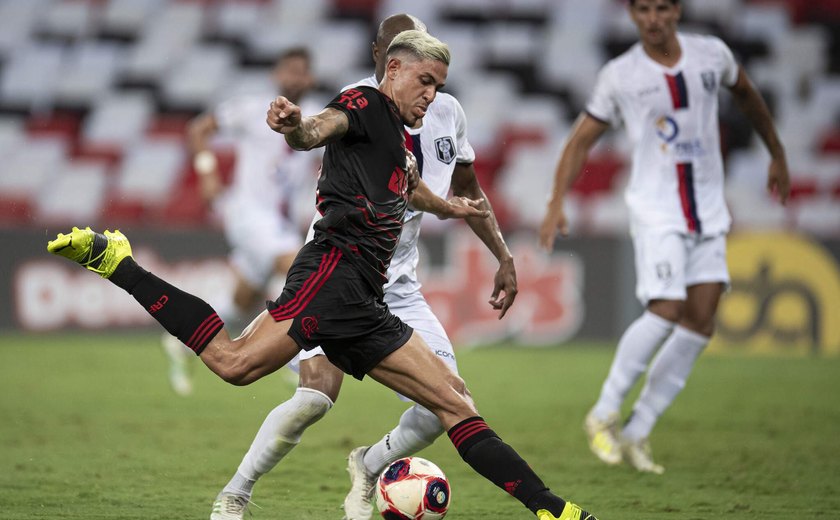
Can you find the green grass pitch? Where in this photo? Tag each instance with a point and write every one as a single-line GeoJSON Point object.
{"type": "Point", "coordinates": [90, 430]}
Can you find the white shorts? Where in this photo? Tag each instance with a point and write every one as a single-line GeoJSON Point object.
{"type": "Point", "coordinates": [668, 261]}
{"type": "Point", "coordinates": [256, 243]}
{"type": "Point", "coordinates": [415, 312]}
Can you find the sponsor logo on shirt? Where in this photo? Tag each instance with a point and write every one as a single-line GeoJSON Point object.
{"type": "Point", "coordinates": [668, 130]}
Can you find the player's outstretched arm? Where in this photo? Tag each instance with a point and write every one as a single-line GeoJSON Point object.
{"type": "Point", "coordinates": [423, 199]}
{"type": "Point", "coordinates": [584, 134]}
{"type": "Point", "coordinates": [465, 183]}
{"type": "Point", "coordinates": [750, 102]}
{"type": "Point", "coordinates": [305, 133]}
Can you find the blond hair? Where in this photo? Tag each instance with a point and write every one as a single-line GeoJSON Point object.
{"type": "Point", "coordinates": [421, 45]}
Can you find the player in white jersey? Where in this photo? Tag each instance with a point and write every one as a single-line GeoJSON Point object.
{"type": "Point", "coordinates": [266, 169]}
{"type": "Point", "coordinates": [665, 92]}
{"type": "Point", "coordinates": [444, 158]}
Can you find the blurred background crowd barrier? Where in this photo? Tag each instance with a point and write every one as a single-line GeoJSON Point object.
{"type": "Point", "coordinates": [95, 96]}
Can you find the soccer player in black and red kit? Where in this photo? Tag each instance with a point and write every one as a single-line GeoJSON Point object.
{"type": "Point", "coordinates": [333, 292]}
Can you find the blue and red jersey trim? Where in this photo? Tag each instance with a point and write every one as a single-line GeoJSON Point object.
{"type": "Point", "coordinates": [688, 201]}
{"type": "Point", "coordinates": [678, 89]}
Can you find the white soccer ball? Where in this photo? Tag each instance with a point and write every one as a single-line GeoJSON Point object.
{"type": "Point", "coordinates": [412, 489]}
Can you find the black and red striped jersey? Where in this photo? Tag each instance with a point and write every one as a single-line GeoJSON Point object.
{"type": "Point", "coordinates": [362, 190]}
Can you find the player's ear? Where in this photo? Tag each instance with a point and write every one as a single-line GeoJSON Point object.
{"type": "Point", "coordinates": [392, 67]}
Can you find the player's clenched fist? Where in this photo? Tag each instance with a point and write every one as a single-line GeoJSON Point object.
{"type": "Point", "coordinates": [283, 115]}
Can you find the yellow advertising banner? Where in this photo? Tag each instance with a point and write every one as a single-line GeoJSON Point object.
{"type": "Point", "coordinates": [785, 297]}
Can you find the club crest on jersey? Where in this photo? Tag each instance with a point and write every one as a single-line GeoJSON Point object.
{"type": "Point", "coordinates": [445, 149]}
{"type": "Point", "coordinates": [663, 272]}
{"type": "Point", "coordinates": [709, 82]}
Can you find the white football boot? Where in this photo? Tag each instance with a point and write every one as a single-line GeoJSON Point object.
{"type": "Point", "coordinates": [639, 455]}
{"type": "Point", "coordinates": [357, 503]}
{"type": "Point", "coordinates": [603, 438]}
{"type": "Point", "coordinates": [229, 507]}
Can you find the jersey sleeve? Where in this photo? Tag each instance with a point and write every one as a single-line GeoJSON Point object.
{"type": "Point", "coordinates": [364, 108]}
{"type": "Point", "coordinates": [729, 69]}
{"type": "Point", "coordinates": [466, 154]}
{"type": "Point", "coordinates": [602, 105]}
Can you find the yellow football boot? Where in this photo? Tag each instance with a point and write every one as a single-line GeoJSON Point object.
{"type": "Point", "coordinates": [97, 252]}
{"type": "Point", "coordinates": [570, 512]}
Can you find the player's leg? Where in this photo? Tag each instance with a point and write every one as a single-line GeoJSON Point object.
{"type": "Point", "coordinates": [320, 382]}
{"type": "Point", "coordinates": [417, 427]}
{"type": "Point", "coordinates": [706, 276]}
{"type": "Point", "coordinates": [414, 371]}
{"type": "Point", "coordinates": [234, 308]}
{"type": "Point", "coordinates": [659, 263]}
{"type": "Point", "coordinates": [261, 349]}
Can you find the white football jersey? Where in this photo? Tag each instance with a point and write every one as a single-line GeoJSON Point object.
{"type": "Point", "coordinates": [264, 162]}
{"type": "Point", "coordinates": [438, 145]}
{"type": "Point", "coordinates": [671, 117]}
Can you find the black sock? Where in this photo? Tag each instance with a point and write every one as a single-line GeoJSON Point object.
{"type": "Point", "coordinates": [183, 315]}
{"type": "Point", "coordinates": [485, 452]}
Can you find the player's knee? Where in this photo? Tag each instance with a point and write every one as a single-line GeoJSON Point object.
{"type": "Point", "coordinates": [671, 310]}
{"type": "Point", "coordinates": [422, 422]}
{"type": "Point", "coordinates": [309, 406]}
{"type": "Point", "coordinates": [320, 375]}
{"type": "Point", "coordinates": [702, 326]}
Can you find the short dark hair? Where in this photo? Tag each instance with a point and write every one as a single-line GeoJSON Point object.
{"type": "Point", "coordinates": [295, 52]}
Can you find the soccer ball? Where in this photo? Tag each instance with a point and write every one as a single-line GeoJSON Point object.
{"type": "Point", "coordinates": [412, 489]}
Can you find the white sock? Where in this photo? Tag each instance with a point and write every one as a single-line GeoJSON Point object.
{"type": "Point", "coordinates": [418, 428]}
{"type": "Point", "coordinates": [635, 348]}
{"type": "Point", "coordinates": [280, 432]}
{"type": "Point", "coordinates": [666, 378]}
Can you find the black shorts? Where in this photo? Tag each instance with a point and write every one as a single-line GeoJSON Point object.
{"type": "Point", "coordinates": [333, 307]}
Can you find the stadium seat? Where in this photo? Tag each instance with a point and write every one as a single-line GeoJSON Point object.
{"type": "Point", "coordinates": [75, 194]}
{"type": "Point", "coordinates": [16, 22]}
{"type": "Point", "coordinates": [341, 44]}
{"type": "Point", "coordinates": [236, 19]}
{"type": "Point", "coordinates": [118, 119]}
{"type": "Point", "coordinates": [66, 19]}
{"type": "Point", "coordinates": [511, 43]}
{"type": "Point", "coordinates": [29, 165]}
{"type": "Point", "coordinates": [524, 182]}
{"type": "Point", "coordinates": [193, 84]}
{"type": "Point", "coordinates": [149, 171]}
{"type": "Point", "coordinates": [87, 73]}
{"type": "Point", "coordinates": [126, 18]}
{"type": "Point", "coordinates": [31, 75]}
{"type": "Point", "coordinates": [166, 37]}
{"type": "Point", "coordinates": [100, 78]}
